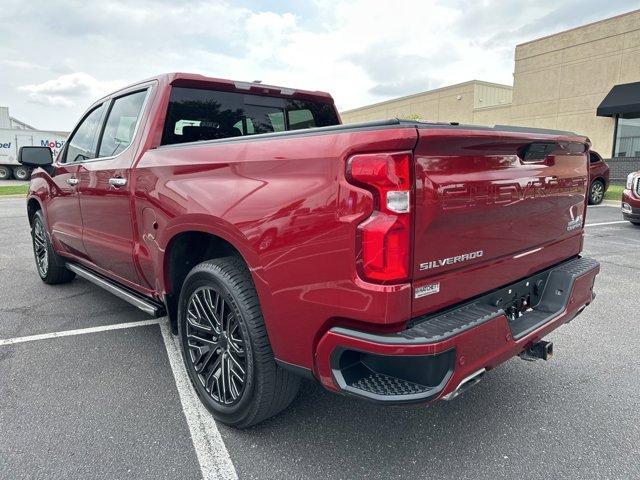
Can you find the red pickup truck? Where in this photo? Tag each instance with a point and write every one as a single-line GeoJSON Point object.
{"type": "Point", "coordinates": [394, 261]}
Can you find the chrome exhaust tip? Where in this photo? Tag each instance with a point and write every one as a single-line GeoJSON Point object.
{"type": "Point", "coordinates": [466, 384]}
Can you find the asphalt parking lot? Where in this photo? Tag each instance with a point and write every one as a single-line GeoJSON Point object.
{"type": "Point", "coordinates": [111, 404]}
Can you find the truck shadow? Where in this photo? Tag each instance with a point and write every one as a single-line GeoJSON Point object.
{"type": "Point", "coordinates": [490, 425]}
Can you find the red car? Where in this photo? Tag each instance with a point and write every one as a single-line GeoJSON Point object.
{"type": "Point", "coordinates": [394, 261]}
{"type": "Point", "coordinates": [631, 199]}
{"type": "Point", "coordinates": [598, 178]}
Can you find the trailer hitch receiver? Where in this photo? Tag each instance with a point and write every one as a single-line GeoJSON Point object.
{"type": "Point", "coordinates": [541, 349]}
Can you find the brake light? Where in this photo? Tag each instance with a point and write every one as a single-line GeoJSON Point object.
{"type": "Point", "coordinates": [384, 237]}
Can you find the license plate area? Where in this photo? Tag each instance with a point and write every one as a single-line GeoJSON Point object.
{"type": "Point", "coordinates": [521, 297]}
{"type": "Point", "coordinates": [530, 302]}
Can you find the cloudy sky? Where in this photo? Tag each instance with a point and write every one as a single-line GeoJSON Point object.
{"type": "Point", "coordinates": [56, 57]}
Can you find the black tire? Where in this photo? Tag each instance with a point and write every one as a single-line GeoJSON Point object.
{"type": "Point", "coordinates": [207, 338]}
{"type": "Point", "coordinates": [635, 223]}
{"type": "Point", "coordinates": [5, 172]}
{"type": "Point", "coordinates": [596, 192]}
{"type": "Point", "coordinates": [21, 173]}
{"type": "Point", "coordinates": [52, 270]}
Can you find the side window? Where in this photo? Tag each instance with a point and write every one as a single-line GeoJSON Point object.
{"type": "Point", "coordinates": [180, 124]}
{"type": "Point", "coordinates": [245, 126]}
{"type": "Point", "coordinates": [594, 157]}
{"type": "Point", "coordinates": [263, 119]}
{"type": "Point", "coordinates": [83, 143]}
{"type": "Point", "coordinates": [121, 124]}
{"type": "Point", "coordinates": [276, 121]}
{"type": "Point", "coordinates": [299, 119]}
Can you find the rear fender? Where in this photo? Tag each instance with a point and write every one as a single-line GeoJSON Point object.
{"type": "Point", "coordinates": [213, 226]}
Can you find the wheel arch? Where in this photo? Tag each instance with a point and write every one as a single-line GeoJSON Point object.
{"type": "Point", "coordinates": [187, 248]}
{"type": "Point", "coordinates": [33, 205]}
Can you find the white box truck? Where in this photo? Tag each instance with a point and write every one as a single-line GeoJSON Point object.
{"type": "Point", "coordinates": [12, 139]}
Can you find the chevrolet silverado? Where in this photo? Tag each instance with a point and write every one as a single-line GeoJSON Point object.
{"type": "Point", "coordinates": [394, 261]}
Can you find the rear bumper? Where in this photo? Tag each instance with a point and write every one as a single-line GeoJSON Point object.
{"type": "Point", "coordinates": [438, 353]}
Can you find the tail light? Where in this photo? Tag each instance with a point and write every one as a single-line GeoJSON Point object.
{"type": "Point", "coordinates": [385, 236]}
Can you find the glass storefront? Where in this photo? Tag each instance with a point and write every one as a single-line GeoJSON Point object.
{"type": "Point", "coordinates": [627, 136]}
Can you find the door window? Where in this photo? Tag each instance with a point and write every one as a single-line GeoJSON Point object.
{"type": "Point", "coordinates": [121, 124]}
{"type": "Point", "coordinates": [83, 143]}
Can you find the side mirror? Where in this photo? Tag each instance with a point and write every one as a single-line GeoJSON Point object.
{"type": "Point", "coordinates": [35, 156]}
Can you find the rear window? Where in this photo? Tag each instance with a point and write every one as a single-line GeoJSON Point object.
{"type": "Point", "coordinates": [198, 114]}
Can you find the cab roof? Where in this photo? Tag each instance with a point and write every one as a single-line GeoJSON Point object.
{"type": "Point", "coordinates": [195, 80]}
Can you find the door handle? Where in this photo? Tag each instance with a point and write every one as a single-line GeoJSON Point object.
{"type": "Point", "coordinates": [117, 182]}
{"type": "Point", "coordinates": [72, 181]}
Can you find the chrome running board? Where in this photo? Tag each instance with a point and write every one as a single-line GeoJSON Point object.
{"type": "Point", "coordinates": [147, 305]}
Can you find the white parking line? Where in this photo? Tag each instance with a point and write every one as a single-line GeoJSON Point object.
{"type": "Point", "coordinates": [80, 331]}
{"type": "Point", "coordinates": [214, 459]}
{"type": "Point", "coordinates": [605, 223]}
{"type": "Point", "coordinates": [608, 205]}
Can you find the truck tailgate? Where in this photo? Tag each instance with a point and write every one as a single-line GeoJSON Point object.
{"type": "Point", "coordinates": [492, 207]}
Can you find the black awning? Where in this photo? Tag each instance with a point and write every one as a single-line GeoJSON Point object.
{"type": "Point", "coordinates": [620, 100]}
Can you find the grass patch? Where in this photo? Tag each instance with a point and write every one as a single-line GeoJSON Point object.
{"type": "Point", "coordinates": [614, 192]}
{"type": "Point", "coordinates": [14, 189]}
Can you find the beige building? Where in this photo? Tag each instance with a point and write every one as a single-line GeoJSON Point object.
{"type": "Point", "coordinates": [465, 103]}
{"type": "Point", "coordinates": [560, 82]}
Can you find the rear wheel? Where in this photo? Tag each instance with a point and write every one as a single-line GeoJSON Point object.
{"type": "Point", "coordinates": [50, 266]}
{"type": "Point", "coordinates": [596, 192]}
{"type": "Point", "coordinates": [225, 346]}
{"type": "Point", "coordinates": [21, 173]}
{"type": "Point", "coordinates": [5, 172]}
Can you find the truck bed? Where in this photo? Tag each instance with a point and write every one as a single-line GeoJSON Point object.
{"type": "Point", "coordinates": [284, 199]}
{"type": "Point", "coordinates": [381, 124]}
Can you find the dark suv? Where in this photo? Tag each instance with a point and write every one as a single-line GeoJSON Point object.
{"type": "Point", "coordinates": [598, 178]}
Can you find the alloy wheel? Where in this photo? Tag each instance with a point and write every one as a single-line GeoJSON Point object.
{"type": "Point", "coordinates": [216, 346]}
{"type": "Point", "coordinates": [40, 248]}
{"type": "Point", "coordinates": [597, 192]}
